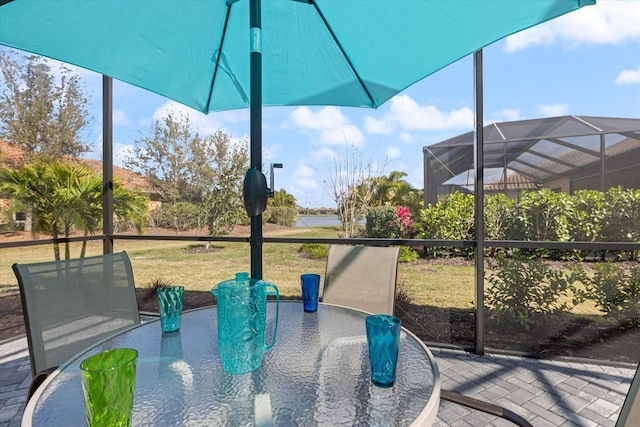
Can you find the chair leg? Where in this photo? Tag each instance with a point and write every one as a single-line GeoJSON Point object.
{"type": "Point", "coordinates": [483, 406]}
{"type": "Point", "coordinates": [37, 380]}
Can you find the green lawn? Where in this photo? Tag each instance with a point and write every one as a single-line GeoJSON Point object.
{"type": "Point", "coordinates": [434, 284]}
{"type": "Point", "coordinates": [186, 263]}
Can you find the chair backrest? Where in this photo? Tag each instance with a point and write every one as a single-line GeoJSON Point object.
{"type": "Point", "coordinates": [630, 411]}
{"type": "Point", "coordinates": [69, 305]}
{"type": "Point", "coordinates": [362, 277]}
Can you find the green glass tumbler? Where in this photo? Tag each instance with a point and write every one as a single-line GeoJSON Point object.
{"type": "Point", "coordinates": [108, 383]}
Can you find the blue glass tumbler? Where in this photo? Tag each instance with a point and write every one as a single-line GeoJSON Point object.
{"type": "Point", "coordinates": [383, 340]}
{"type": "Point", "coordinates": [310, 288]}
{"type": "Point", "coordinates": [170, 299]}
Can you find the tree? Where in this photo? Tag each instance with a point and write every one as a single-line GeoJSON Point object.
{"type": "Point", "coordinates": [42, 116]}
{"type": "Point", "coordinates": [163, 156]}
{"type": "Point", "coordinates": [219, 165]}
{"type": "Point", "coordinates": [352, 187]}
{"type": "Point", "coordinates": [63, 197]}
{"type": "Point", "coordinates": [393, 190]}
{"type": "Point", "coordinates": [281, 209]}
{"type": "Point", "coordinates": [282, 199]}
{"type": "Point", "coordinates": [184, 167]}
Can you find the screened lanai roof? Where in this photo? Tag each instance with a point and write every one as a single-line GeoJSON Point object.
{"type": "Point", "coordinates": [538, 150]}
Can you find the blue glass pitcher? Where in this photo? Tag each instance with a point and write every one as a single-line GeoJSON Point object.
{"type": "Point", "coordinates": [242, 317]}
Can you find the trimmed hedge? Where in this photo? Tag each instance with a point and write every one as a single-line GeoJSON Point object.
{"type": "Point", "coordinates": [544, 215]}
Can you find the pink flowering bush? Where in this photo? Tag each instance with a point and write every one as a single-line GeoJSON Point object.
{"type": "Point", "coordinates": [388, 222]}
{"type": "Point", "coordinates": [404, 222]}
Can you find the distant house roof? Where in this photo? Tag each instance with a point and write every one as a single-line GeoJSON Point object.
{"type": "Point", "coordinates": [12, 156]}
{"type": "Point", "coordinates": [515, 181]}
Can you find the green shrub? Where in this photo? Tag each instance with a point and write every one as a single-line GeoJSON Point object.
{"type": "Point", "coordinates": [382, 224]}
{"type": "Point", "coordinates": [526, 292]}
{"type": "Point", "coordinates": [450, 219]}
{"type": "Point", "coordinates": [499, 216]}
{"type": "Point", "coordinates": [9, 226]}
{"type": "Point", "coordinates": [541, 215]}
{"type": "Point", "coordinates": [280, 215]}
{"type": "Point", "coordinates": [407, 254]}
{"type": "Point", "coordinates": [315, 250]}
{"type": "Point", "coordinates": [180, 216]}
{"type": "Point", "coordinates": [616, 292]}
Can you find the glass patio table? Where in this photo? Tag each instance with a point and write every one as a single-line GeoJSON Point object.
{"type": "Point", "coordinates": [316, 374]}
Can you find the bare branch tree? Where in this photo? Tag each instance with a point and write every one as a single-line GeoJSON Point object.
{"type": "Point", "coordinates": [352, 185]}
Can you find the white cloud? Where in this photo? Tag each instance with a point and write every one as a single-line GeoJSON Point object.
{"type": "Point", "coordinates": [406, 137]}
{"type": "Point", "coordinates": [393, 153]}
{"type": "Point", "coordinates": [143, 122]}
{"type": "Point", "coordinates": [203, 123]}
{"type": "Point", "coordinates": [324, 153]}
{"type": "Point", "coordinates": [269, 153]}
{"type": "Point", "coordinates": [506, 115]}
{"type": "Point", "coordinates": [324, 118]}
{"type": "Point", "coordinates": [628, 77]}
{"type": "Point", "coordinates": [607, 22]}
{"type": "Point", "coordinates": [377, 126]}
{"type": "Point", "coordinates": [120, 118]}
{"type": "Point", "coordinates": [331, 125]}
{"type": "Point", "coordinates": [407, 114]}
{"type": "Point", "coordinates": [304, 177]}
{"type": "Point", "coordinates": [231, 116]}
{"type": "Point", "coordinates": [551, 110]}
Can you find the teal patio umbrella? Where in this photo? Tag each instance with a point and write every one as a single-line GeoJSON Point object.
{"type": "Point", "coordinates": [217, 55]}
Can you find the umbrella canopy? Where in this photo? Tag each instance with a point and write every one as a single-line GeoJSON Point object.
{"type": "Point", "coordinates": [225, 54]}
{"type": "Point", "coordinates": [315, 52]}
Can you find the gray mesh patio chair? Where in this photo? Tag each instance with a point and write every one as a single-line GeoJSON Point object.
{"type": "Point", "coordinates": [69, 305]}
{"type": "Point", "coordinates": [365, 278]}
{"type": "Point", "coordinates": [361, 277]}
{"type": "Point", "coordinates": [630, 411]}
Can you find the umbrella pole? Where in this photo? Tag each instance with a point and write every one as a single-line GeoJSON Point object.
{"type": "Point", "coordinates": [255, 22]}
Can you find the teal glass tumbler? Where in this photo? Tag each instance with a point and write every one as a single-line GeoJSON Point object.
{"type": "Point", "coordinates": [310, 289]}
{"type": "Point", "coordinates": [383, 341]}
{"type": "Point", "coordinates": [170, 300]}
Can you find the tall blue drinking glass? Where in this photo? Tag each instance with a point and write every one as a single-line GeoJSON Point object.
{"type": "Point", "coordinates": [383, 340]}
{"type": "Point", "coordinates": [170, 299]}
{"type": "Point", "coordinates": [310, 288]}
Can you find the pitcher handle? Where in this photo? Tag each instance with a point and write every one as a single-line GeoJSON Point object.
{"type": "Point", "coordinates": [275, 328]}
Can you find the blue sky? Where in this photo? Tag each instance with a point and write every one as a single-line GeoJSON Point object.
{"type": "Point", "coordinates": [585, 63]}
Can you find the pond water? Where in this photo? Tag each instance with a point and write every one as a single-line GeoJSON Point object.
{"type": "Point", "coordinates": [319, 221]}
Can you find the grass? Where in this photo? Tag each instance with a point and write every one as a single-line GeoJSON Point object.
{"type": "Point", "coordinates": [435, 296]}
{"type": "Point", "coordinates": [187, 264]}
{"type": "Point", "coordinates": [190, 265]}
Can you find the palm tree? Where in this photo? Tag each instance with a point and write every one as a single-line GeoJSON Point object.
{"type": "Point", "coordinates": [63, 197]}
{"type": "Point", "coordinates": [393, 190]}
